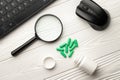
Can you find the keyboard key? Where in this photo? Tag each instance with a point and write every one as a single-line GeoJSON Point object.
{"type": "Point", "coordinates": [32, 1]}
{"type": "Point", "coordinates": [3, 3]}
{"type": "Point", "coordinates": [14, 3]}
{"type": "Point", "coordinates": [15, 11]}
{"type": "Point", "coordinates": [3, 19]}
{"type": "Point", "coordinates": [9, 15]}
{"type": "Point", "coordinates": [10, 24]}
{"type": "Point", "coordinates": [2, 11]}
{"type": "Point", "coordinates": [8, 1]}
{"type": "Point", "coordinates": [8, 7]}
{"type": "Point", "coordinates": [26, 3]}
{"type": "Point", "coordinates": [21, 7]}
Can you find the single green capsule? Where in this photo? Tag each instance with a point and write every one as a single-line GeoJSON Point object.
{"type": "Point", "coordinates": [63, 54]}
{"type": "Point", "coordinates": [63, 45]}
{"type": "Point", "coordinates": [71, 53]}
{"type": "Point", "coordinates": [69, 41]}
{"type": "Point", "coordinates": [76, 42]}
{"type": "Point", "coordinates": [71, 44]}
{"type": "Point", "coordinates": [66, 49]}
{"type": "Point", "coordinates": [60, 49]}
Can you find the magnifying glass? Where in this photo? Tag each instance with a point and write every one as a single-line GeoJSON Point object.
{"type": "Point", "coordinates": [48, 28]}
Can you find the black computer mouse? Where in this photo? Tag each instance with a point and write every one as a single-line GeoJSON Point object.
{"type": "Point", "coordinates": [95, 15]}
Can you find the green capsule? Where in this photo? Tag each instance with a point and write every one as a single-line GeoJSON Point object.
{"type": "Point", "coordinates": [76, 42]}
{"type": "Point", "coordinates": [63, 54]}
{"type": "Point", "coordinates": [71, 44]}
{"type": "Point", "coordinates": [66, 49]}
{"type": "Point", "coordinates": [60, 49]}
{"type": "Point", "coordinates": [73, 47]}
{"type": "Point", "coordinates": [71, 53]}
{"type": "Point", "coordinates": [63, 45]}
{"type": "Point", "coordinates": [69, 41]}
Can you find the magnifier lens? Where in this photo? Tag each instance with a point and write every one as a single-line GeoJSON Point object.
{"type": "Point", "coordinates": [48, 28]}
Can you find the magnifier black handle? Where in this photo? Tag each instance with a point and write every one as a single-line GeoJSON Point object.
{"type": "Point", "coordinates": [22, 47]}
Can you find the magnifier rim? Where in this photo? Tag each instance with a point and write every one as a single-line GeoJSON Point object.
{"type": "Point", "coordinates": [41, 18]}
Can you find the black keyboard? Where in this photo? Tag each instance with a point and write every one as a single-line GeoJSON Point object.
{"type": "Point", "coordinates": [15, 12]}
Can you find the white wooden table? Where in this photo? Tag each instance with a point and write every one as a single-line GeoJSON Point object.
{"type": "Point", "coordinates": [102, 46]}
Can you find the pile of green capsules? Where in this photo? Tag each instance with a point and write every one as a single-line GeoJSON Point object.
{"type": "Point", "coordinates": [67, 49]}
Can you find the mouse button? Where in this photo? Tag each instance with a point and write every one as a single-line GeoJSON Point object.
{"type": "Point", "coordinates": [97, 9]}
{"type": "Point", "coordinates": [86, 16]}
{"type": "Point", "coordinates": [88, 8]}
{"type": "Point", "coordinates": [93, 6]}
